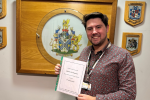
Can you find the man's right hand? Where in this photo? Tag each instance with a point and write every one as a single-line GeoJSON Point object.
{"type": "Point", "coordinates": [57, 69]}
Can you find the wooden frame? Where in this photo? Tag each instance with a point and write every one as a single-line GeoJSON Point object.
{"type": "Point", "coordinates": [3, 7]}
{"type": "Point", "coordinates": [133, 20]}
{"type": "Point", "coordinates": [42, 24]}
{"type": "Point", "coordinates": [28, 17]}
{"type": "Point", "coordinates": [3, 37]}
{"type": "Point", "coordinates": [132, 42]}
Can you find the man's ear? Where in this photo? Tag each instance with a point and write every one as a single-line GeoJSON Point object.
{"type": "Point", "coordinates": [107, 28]}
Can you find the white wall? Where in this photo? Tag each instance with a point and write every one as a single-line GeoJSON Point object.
{"type": "Point", "coordinates": [15, 86]}
{"type": "Point", "coordinates": [141, 60]}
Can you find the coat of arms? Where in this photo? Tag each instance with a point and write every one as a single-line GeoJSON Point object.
{"type": "Point", "coordinates": [65, 42]}
{"type": "Point", "coordinates": [3, 39]}
{"type": "Point", "coordinates": [132, 42]}
{"type": "Point", "coordinates": [60, 33]}
{"type": "Point", "coordinates": [2, 8]}
{"type": "Point", "coordinates": [134, 12]}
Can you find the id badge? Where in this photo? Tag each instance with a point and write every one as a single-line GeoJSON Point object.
{"type": "Point", "coordinates": [86, 86]}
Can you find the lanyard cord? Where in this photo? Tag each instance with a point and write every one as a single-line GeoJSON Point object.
{"type": "Point", "coordinates": [90, 67]}
{"type": "Point", "coordinates": [88, 60]}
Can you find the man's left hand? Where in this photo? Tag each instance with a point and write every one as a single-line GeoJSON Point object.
{"type": "Point", "coordinates": [85, 97]}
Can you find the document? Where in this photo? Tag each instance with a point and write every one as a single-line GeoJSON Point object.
{"type": "Point", "coordinates": [71, 76]}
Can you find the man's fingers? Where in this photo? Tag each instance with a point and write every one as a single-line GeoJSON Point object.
{"type": "Point", "coordinates": [80, 98]}
{"type": "Point", "coordinates": [56, 72]}
{"type": "Point", "coordinates": [58, 65]}
{"type": "Point", "coordinates": [57, 68]}
{"type": "Point", "coordinates": [85, 97]}
{"type": "Point", "coordinates": [80, 95]}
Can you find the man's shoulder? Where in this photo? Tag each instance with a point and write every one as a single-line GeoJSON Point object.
{"type": "Point", "coordinates": [85, 53]}
{"type": "Point", "coordinates": [118, 54]}
{"type": "Point", "coordinates": [118, 49]}
{"type": "Point", "coordinates": [86, 50]}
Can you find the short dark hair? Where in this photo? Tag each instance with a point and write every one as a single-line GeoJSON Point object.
{"type": "Point", "coordinates": [103, 17]}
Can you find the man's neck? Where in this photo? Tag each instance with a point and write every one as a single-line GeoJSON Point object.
{"type": "Point", "coordinates": [99, 48]}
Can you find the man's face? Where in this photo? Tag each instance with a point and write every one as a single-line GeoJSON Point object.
{"type": "Point", "coordinates": [96, 31]}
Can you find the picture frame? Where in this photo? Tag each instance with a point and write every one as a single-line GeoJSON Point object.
{"type": "Point", "coordinates": [3, 37]}
{"type": "Point", "coordinates": [65, 37]}
{"type": "Point", "coordinates": [3, 8]}
{"type": "Point", "coordinates": [132, 42]}
{"type": "Point", "coordinates": [134, 12]}
{"type": "Point", "coordinates": [30, 13]}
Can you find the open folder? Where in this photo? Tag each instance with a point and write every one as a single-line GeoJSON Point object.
{"type": "Point", "coordinates": [71, 76]}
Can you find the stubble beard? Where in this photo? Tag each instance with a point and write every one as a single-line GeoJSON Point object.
{"type": "Point", "coordinates": [100, 43]}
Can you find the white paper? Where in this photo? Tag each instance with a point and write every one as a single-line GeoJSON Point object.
{"type": "Point", "coordinates": [71, 76]}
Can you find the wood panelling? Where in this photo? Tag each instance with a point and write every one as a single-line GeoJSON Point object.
{"type": "Point", "coordinates": [29, 15]}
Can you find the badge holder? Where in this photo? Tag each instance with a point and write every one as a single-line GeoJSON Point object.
{"type": "Point", "coordinates": [86, 86]}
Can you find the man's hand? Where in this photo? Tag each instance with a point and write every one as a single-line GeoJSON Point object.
{"type": "Point", "coordinates": [57, 69]}
{"type": "Point", "coordinates": [85, 97]}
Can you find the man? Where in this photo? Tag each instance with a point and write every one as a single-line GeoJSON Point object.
{"type": "Point", "coordinates": [110, 70]}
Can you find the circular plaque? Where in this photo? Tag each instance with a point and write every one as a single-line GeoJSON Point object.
{"type": "Point", "coordinates": [61, 33]}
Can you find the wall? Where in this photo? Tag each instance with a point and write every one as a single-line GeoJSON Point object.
{"type": "Point", "coordinates": [15, 86]}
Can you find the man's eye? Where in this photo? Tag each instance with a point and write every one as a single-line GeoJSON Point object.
{"type": "Point", "coordinates": [89, 29]}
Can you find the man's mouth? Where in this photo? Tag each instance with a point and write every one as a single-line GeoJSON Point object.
{"type": "Point", "coordinates": [95, 37]}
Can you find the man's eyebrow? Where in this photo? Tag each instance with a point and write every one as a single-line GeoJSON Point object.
{"type": "Point", "coordinates": [95, 26]}
{"type": "Point", "coordinates": [99, 25]}
{"type": "Point", "coordinates": [89, 27]}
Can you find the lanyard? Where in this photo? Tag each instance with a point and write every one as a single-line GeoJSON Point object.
{"type": "Point", "coordinates": [88, 60]}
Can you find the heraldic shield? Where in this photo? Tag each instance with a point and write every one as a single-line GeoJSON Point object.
{"type": "Point", "coordinates": [61, 33]}
{"type": "Point", "coordinates": [134, 12]}
{"type": "Point", "coordinates": [3, 8]}
{"type": "Point", "coordinates": [132, 42]}
{"type": "Point", "coordinates": [3, 38]}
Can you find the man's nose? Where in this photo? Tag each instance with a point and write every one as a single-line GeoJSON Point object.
{"type": "Point", "coordinates": [94, 31]}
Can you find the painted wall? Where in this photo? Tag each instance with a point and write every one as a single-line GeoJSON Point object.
{"type": "Point", "coordinates": [15, 86]}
